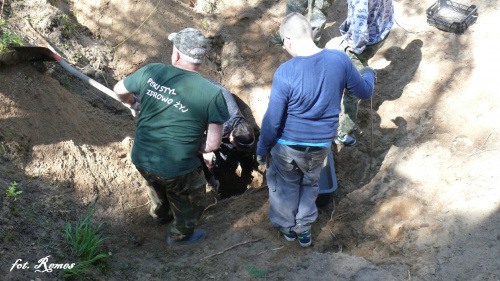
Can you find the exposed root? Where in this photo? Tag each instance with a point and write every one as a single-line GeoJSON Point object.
{"type": "Point", "coordinates": [232, 247]}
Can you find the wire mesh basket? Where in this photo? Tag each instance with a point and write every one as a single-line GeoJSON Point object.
{"type": "Point", "coordinates": [451, 16]}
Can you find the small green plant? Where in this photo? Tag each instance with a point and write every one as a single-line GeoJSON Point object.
{"type": "Point", "coordinates": [9, 39]}
{"type": "Point", "coordinates": [4, 149]}
{"type": "Point", "coordinates": [3, 22]}
{"type": "Point", "coordinates": [85, 243]}
{"type": "Point", "coordinates": [12, 192]}
{"type": "Point", "coordinates": [68, 26]}
{"type": "Point", "coordinates": [77, 57]}
{"type": "Point", "coordinates": [66, 83]}
{"type": "Point", "coordinates": [257, 272]}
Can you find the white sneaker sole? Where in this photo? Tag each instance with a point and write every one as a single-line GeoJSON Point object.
{"type": "Point", "coordinates": [306, 244]}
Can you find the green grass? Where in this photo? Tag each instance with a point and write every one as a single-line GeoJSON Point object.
{"type": "Point", "coordinates": [85, 243]}
{"type": "Point", "coordinates": [9, 39]}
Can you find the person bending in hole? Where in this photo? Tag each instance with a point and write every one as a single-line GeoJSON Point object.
{"type": "Point", "coordinates": [177, 107]}
{"type": "Point", "coordinates": [300, 123]}
{"type": "Point", "coordinates": [238, 140]}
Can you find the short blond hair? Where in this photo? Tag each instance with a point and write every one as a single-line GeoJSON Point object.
{"type": "Point", "coordinates": [296, 26]}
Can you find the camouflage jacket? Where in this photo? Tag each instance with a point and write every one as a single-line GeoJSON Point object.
{"type": "Point", "coordinates": [368, 22]}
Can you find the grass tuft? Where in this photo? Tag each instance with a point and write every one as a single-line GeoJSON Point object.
{"type": "Point", "coordinates": [68, 27]}
{"type": "Point", "coordinates": [85, 243]}
{"type": "Point", "coordinates": [66, 83]}
{"type": "Point", "coordinates": [257, 272]}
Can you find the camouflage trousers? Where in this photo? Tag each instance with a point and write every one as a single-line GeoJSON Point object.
{"type": "Point", "coordinates": [349, 101]}
{"type": "Point", "coordinates": [184, 196]}
{"type": "Point", "coordinates": [318, 16]}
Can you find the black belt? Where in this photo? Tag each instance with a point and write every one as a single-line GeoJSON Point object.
{"type": "Point", "coordinates": [304, 148]}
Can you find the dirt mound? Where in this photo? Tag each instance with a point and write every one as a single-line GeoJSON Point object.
{"type": "Point", "coordinates": [60, 136]}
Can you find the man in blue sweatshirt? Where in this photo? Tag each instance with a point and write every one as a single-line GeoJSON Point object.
{"type": "Point", "coordinates": [300, 123]}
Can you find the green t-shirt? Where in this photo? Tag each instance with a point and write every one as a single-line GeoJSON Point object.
{"type": "Point", "coordinates": [176, 107]}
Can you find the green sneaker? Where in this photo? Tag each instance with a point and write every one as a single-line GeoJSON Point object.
{"type": "Point", "coordinates": [289, 236]}
{"type": "Point", "coordinates": [345, 140]}
{"type": "Point", "coordinates": [305, 238]}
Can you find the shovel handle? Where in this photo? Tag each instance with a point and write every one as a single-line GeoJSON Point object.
{"type": "Point", "coordinates": [92, 82]}
{"type": "Point", "coordinates": [89, 80]}
{"type": "Point", "coordinates": [52, 53]}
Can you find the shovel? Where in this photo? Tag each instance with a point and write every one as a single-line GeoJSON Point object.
{"type": "Point", "coordinates": [45, 54]}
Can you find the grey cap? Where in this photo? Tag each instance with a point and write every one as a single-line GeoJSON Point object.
{"type": "Point", "coordinates": [190, 42]}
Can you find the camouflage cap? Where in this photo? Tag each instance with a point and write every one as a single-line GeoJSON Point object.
{"type": "Point", "coordinates": [190, 42]}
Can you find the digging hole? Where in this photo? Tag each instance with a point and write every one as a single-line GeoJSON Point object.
{"type": "Point", "coordinates": [235, 173]}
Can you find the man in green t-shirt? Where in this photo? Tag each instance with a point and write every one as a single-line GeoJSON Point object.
{"type": "Point", "coordinates": [177, 106]}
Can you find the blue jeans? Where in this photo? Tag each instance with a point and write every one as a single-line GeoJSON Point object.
{"type": "Point", "coordinates": [292, 177]}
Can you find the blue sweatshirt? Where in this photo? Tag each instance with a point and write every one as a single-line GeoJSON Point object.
{"type": "Point", "coordinates": [304, 105]}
